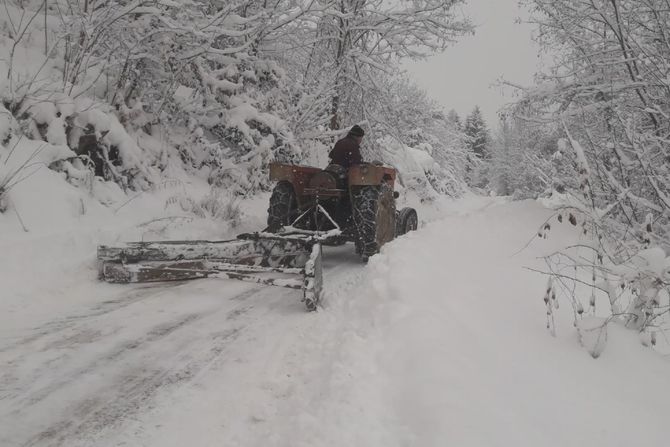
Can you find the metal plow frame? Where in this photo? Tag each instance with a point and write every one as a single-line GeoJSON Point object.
{"type": "Point", "coordinates": [253, 257]}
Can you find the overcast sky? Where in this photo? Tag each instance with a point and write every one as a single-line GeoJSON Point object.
{"type": "Point", "coordinates": [463, 76]}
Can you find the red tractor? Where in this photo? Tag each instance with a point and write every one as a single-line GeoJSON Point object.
{"type": "Point", "coordinates": [357, 205]}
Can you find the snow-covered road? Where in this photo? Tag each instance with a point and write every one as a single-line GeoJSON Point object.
{"type": "Point", "coordinates": [440, 340]}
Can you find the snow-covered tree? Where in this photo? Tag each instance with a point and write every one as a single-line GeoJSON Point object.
{"type": "Point", "coordinates": [608, 93]}
{"type": "Point", "coordinates": [225, 86]}
{"type": "Point", "coordinates": [406, 114]}
{"type": "Point", "coordinates": [526, 160]}
{"type": "Point", "coordinates": [354, 42]}
{"type": "Point", "coordinates": [476, 129]}
{"type": "Point", "coordinates": [478, 144]}
{"type": "Point", "coordinates": [191, 71]}
{"type": "Point", "coordinates": [454, 119]}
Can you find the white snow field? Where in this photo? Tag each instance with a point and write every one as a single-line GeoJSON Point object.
{"type": "Point", "coordinates": [439, 341]}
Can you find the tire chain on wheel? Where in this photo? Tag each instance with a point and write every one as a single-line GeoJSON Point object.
{"type": "Point", "coordinates": [365, 201]}
{"type": "Point", "coordinates": [283, 205]}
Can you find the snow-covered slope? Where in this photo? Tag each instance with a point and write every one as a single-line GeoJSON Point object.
{"type": "Point", "coordinates": [439, 340]}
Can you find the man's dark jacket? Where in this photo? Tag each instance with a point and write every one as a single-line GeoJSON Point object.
{"type": "Point", "coordinates": [346, 152]}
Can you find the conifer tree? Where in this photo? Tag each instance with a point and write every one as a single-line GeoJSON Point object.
{"type": "Point", "coordinates": [476, 129]}
{"type": "Point", "coordinates": [454, 119]}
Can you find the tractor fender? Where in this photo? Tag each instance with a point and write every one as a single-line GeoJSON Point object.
{"type": "Point", "coordinates": [371, 175]}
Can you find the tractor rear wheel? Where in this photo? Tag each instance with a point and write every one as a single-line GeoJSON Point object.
{"type": "Point", "coordinates": [283, 209]}
{"type": "Point", "coordinates": [373, 210]}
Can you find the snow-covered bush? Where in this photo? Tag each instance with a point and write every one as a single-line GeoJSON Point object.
{"type": "Point", "coordinates": [217, 204]}
{"type": "Point", "coordinates": [417, 170]}
{"type": "Point", "coordinates": [411, 165]}
{"type": "Point", "coordinates": [95, 135]}
{"type": "Point", "coordinates": [607, 97]}
{"type": "Point", "coordinates": [619, 273]}
{"type": "Point", "coordinates": [197, 75]}
{"type": "Point", "coordinates": [22, 158]}
{"type": "Point", "coordinates": [220, 206]}
{"type": "Point", "coordinates": [184, 66]}
{"type": "Point", "coordinates": [7, 126]}
{"type": "Point", "coordinates": [616, 281]}
{"type": "Point", "coordinates": [411, 132]}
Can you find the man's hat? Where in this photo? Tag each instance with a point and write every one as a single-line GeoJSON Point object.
{"type": "Point", "coordinates": [356, 131]}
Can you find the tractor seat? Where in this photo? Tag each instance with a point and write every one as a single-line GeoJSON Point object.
{"type": "Point", "coordinates": [339, 170]}
{"type": "Point", "coordinates": [340, 173]}
{"type": "Point", "coordinates": [323, 180]}
{"type": "Point", "coordinates": [331, 180]}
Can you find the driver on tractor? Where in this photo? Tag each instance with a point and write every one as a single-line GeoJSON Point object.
{"type": "Point", "coordinates": [347, 151]}
{"type": "Point", "coordinates": [345, 154]}
{"type": "Point", "coordinates": [356, 197]}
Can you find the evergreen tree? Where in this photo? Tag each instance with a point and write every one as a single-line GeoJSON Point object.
{"type": "Point", "coordinates": [476, 130]}
{"type": "Point", "coordinates": [454, 119]}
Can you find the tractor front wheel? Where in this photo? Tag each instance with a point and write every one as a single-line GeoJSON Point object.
{"type": "Point", "coordinates": [406, 221]}
{"type": "Point", "coordinates": [373, 210]}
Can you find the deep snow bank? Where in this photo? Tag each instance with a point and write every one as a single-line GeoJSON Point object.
{"type": "Point", "coordinates": [444, 343]}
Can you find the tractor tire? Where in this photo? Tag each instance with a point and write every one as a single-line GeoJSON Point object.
{"type": "Point", "coordinates": [373, 211]}
{"type": "Point", "coordinates": [406, 220]}
{"type": "Point", "coordinates": [283, 209]}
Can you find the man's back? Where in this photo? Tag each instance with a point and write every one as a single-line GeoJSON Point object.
{"type": "Point", "coordinates": [346, 152]}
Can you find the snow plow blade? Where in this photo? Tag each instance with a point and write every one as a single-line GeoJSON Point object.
{"type": "Point", "coordinates": [285, 261]}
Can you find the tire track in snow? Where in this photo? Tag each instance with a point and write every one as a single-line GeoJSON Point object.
{"type": "Point", "coordinates": [154, 335]}
{"type": "Point", "coordinates": [74, 330]}
{"type": "Point", "coordinates": [105, 307]}
{"type": "Point", "coordinates": [132, 394]}
{"type": "Point", "coordinates": [130, 390]}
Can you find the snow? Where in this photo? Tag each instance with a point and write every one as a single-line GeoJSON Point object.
{"type": "Point", "coordinates": [414, 165]}
{"type": "Point", "coordinates": [42, 110]}
{"type": "Point", "coordinates": [6, 124]}
{"type": "Point", "coordinates": [107, 125]}
{"type": "Point", "coordinates": [438, 340]}
{"type": "Point", "coordinates": [593, 334]}
{"type": "Point", "coordinates": [219, 84]}
{"type": "Point", "coordinates": [184, 94]}
{"type": "Point", "coordinates": [239, 115]}
{"type": "Point", "coordinates": [23, 158]}
{"type": "Point", "coordinates": [56, 132]}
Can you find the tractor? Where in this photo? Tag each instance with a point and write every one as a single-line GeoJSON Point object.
{"type": "Point", "coordinates": [359, 202]}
